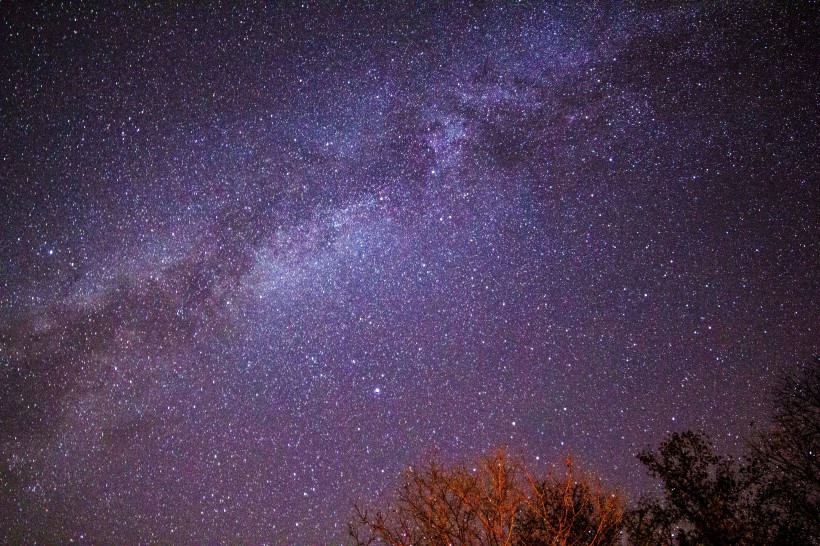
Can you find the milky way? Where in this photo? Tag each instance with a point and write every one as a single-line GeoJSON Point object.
{"type": "Point", "coordinates": [256, 261]}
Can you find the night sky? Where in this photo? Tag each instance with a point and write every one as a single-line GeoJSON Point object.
{"type": "Point", "coordinates": [256, 261]}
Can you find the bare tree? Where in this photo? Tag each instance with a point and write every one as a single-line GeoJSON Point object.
{"type": "Point", "coordinates": [496, 503]}
{"type": "Point", "coordinates": [562, 512]}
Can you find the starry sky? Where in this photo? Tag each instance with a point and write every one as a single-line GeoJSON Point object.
{"type": "Point", "coordinates": [256, 260]}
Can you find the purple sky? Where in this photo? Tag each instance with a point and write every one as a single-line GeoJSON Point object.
{"type": "Point", "coordinates": [256, 261]}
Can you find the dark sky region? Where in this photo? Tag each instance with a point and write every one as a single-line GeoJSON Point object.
{"type": "Point", "coordinates": [258, 259]}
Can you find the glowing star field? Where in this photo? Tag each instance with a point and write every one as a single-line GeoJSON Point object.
{"type": "Point", "coordinates": [257, 260]}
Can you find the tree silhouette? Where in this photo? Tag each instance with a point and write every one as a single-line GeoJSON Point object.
{"type": "Point", "coordinates": [770, 497]}
{"type": "Point", "coordinates": [786, 459]}
{"type": "Point", "coordinates": [706, 496]}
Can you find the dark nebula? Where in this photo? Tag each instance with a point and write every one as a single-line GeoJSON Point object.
{"type": "Point", "coordinates": [257, 260]}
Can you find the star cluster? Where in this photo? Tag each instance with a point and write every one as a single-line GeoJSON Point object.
{"type": "Point", "coordinates": [256, 260]}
